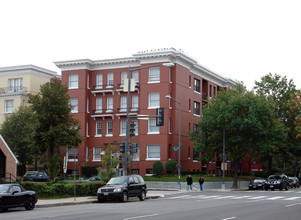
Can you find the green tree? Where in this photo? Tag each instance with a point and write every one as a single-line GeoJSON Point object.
{"type": "Point", "coordinates": [280, 91]}
{"type": "Point", "coordinates": [55, 125]}
{"type": "Point", "coordinates": [171, 166]}
{"type": "Point", "coordinates": [18, 130]}
{"type": "Point", "coordinates": [54, 166]}
{"type": "Point", "coordinates": [108, 165]}
{"type": "Point", "coordinates": [248, 120]}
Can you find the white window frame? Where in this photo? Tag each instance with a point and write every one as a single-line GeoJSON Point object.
{"type": "Point", "coordinates": [123, 103]}
{"type": "Point", "coordinates": [110, 80]}
{"type": "Point", "coordinates": [98, 103]}
{"type": "Point", "coordinates": [136, 156]}
{"type": "Point", "coordinates": [15, 85]}
{"type": "Point", "coordinates": [72, 149]}
{"type": "Point", "coordinates": [135, 103]}
{"type": "Point", "coordinates": [122, 128]}
{"type": "Point", "coordinates": [87, 129]}
{"type": "Point", "coordinates": [123, 76]}
{"type": "Point", "coordinates": [98, 129]}
{"type": "Point", "coordinates": [97, 153]}
{"type": "Point", "coordinates": [154, 75]}
{"type": "Point", "coordinates": [136, 127]}
{"type": "Point", "coordinates": [152, 128]}
{"type": "Point", "coordinates": [74, 104]}
{"type": "Point", "coordinates": [135, 75]}
{"type": "Point", "coordinates": [109, 104]}
{"type": "Point", "coordinates": [99, 81]}
{"type": "Point", "coordinates": [73, 81]}
{"type": "Point", "coordinates": [9, 106]}
{"type": "Point", "coordinates": [109, 126]}
{"type": "Point", "coordinates": [151, 147]}
{"type": "Point", "coordinates": [153, 100]}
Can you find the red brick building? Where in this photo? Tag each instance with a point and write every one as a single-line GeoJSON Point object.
{"type": "Point", "coordinates": [8, 161]}
{"type": "Point", "coordinates": [99, 103]}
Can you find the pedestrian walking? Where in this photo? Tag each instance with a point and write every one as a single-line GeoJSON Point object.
{"type": "Point", "coordinates": [201, 182]}
{"type": "Point", "coordinates": [189, 182]}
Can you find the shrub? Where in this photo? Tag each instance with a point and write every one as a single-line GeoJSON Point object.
{"type": "Point", "coordinates": [89, 170]}
{"type": "Point", "coordinates": [157, 168]}
{"type": "Point", "coordinates": [171, 166]}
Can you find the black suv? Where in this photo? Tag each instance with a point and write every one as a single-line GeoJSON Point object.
{"type": "Point", "coordinates": [122, 187]}
{"type": "Point", "coordinates": [36, 176]}
{"type": "Point", "coordinates": [277, 182]}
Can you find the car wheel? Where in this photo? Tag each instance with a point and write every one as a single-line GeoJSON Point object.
{"type": "Point", "coordinates": [30, 204]}
{"type": "Point", "coordinates": [124, 197]}
{"type": "Point", "coordinates": [1, 206]}
{"type": "Point", "coordinates": [142, 196]}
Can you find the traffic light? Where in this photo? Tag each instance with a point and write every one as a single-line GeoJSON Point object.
{"type": "Point", "coordinates": [160, 117]}
{"type": "Point", "coordinates": [132, 128]}
{"type": "Point", "coordinates": [122, 148]}
{"type": "Point", "coordinates": [133, 148]}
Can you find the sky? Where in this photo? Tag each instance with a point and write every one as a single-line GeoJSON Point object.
{"type": "Point", "coordinates": [238, 39]}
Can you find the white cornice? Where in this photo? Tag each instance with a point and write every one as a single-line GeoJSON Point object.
{"type": "Point", "coordinates": [8, 148]}
{"type": "Point", "coordinates": [27, 69]}
{"type": "Point", "coordinates": [147, 57]}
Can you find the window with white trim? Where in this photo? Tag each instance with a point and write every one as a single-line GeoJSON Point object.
{"type": "Point", "coordinates": [136, 127]}
{"type": "Point", "coordinates": [110, 80]}
{"type": "Point", "coordinates": [99, 81]}
{"type": "Point", "coordinates": [73, 81]}
{"type": "Point", "coordinates": [97, 153]}
{"type": "Point", "coordinates": [9, 106]}
{"type": "Point", "coordinates": [123, 103]}
{"type": "Point", "coordinates": [110, 104]}
{"type": "Point", "coordinates": [135, 75]}
{"type": "Point", "coordinates": [135, 103]}
{"type": "Point", "coordinates": [98, 128]}
{"type": "Point", "coordinates": [98, 105]}
{"type": "Point", "coordinates": [109, 128]}
{"type": "Point", "coordinates": [152, 128]}
{"type": "Point", "coordinates": [154, 100]}
{"type": "Point", "coordinates": [197, 84]}
{"type": "Point", "coordinates": [154, 74]}
{"type": "Point", "coordinates": [122, 128]}
{"type": "Point", "coordinates": [136, 156]}
{"type": "Point", "coordinates": [196, 108]}
{"type": "Point", "coordinates": [15, 85]}
{"type": "Point", "coordinates": [153, 152]}
{"type": "Point", "coordinates": [74, 103]}
{"type": "Point", "coordinates": [72, 154]}
{"type": "Point", "coordinates": [123, 76]}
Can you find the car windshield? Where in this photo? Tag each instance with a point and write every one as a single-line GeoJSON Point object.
{"type": "Point", "coordinates": [31, 173]}
{"type": "Point", "coordinates": [274, 177]}
{"type": "Point", "coordinates": [258, 181]}
{"type": "Point", "coordinates": [4, 188]}
{"type": "Point", "coordinates": [118, 181]}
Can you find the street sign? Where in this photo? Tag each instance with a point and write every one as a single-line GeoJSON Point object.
{"type": "Point", "coordinates": [175, 148]}
{"type": "Point", "coordinates": [222, 166]}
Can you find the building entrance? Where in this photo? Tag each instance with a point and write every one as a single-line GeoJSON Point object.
{"type": "Point", "coordinates": [2, 164]}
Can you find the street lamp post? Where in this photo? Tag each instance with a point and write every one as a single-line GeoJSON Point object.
{"type": "Point", "coordinates": [128, 106]}
{"type": "Point", "coordinates": [223, 185]}
{"type": "Point", "coordinates": [179, 147]}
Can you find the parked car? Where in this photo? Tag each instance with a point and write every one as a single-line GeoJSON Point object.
{"type": "Point", "coordinates": [93, 178]}
{"type": "Point", "coordinates": [14, 195]}
{"type": "Point", "coordinates": [257, 184]}
{"type": "Point", "coordinates": [122, 187]}
{"type": "Point", "coordinates": [277, 182]}
{"type": "Point", "coordinates": [36, 176]}
{"type": "Point", "coordinates": [294, 182]}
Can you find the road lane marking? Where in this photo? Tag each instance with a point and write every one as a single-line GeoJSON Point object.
{"type": "Point", "coordinates": [210, 197]}
{"type": "Point", "coordinates": [258, 197]}
{"type": "Point", "coordinates": [142, 216]}
{"type": "Point", "coordinates": [293, 204]}
{"type": "Point", "coordinates": [293, 198]}
{"type": "Point", "coordinates": [225, 197]}
{"type": "Point", "coordinates": [241, 197]}
{"type": "Point", "coordinates": [228, 218]}
{"type": "Point", "coordinates": [276, 197]}
{"type": "Point", "coordinates": [179, 197]}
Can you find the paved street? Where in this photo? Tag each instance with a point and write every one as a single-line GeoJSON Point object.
{"type": "Point", "coordinates": [179, 205]}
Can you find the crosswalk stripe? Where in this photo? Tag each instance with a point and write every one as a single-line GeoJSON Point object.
{"type": "Point", "coordinates": [210, 197]}
{"type": "Point", "coordinates": [241, 197]}
{"type": "Point", "coordinates": [292, 198]}
{"type": "Point", "coordinates": [225, 197]}
{"type": "Point", "coordinates": [276, 197]}
{"type": "Point", "coordinates": [179, 197]}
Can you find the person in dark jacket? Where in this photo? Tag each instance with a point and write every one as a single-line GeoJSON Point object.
{"type": "Point", "coordinates": [189, 182]}
{"type": "Point", "coordinates": [201, 182]}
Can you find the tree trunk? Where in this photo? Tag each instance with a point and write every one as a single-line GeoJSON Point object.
{"type": "Point", "coordinates": [235, 179]}
{"type": "Point", "coordinates": [270, 161]}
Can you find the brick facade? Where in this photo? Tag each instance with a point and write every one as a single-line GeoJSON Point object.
{"type": "Point", "coordinates": [8, 161]}
{"type": "Point", "coordinates": [186, 81]}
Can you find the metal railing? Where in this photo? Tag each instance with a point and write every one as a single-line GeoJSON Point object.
{"type": "Point", "coordinates": [13, 90]}
{"type": "Point", "coordinates": [9, 178]}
